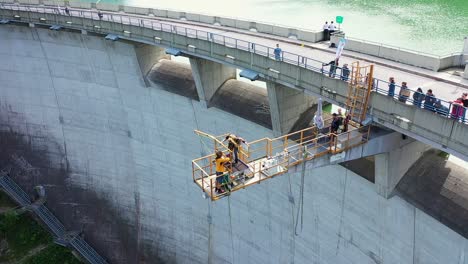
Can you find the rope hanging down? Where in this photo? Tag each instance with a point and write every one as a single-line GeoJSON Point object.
{"type": "Point", "coordinates": [300, 206]}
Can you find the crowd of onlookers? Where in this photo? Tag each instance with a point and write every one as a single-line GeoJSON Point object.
{"type": "Point", "coordinates": [456, 109]}
{"type": "Point", "coordinates": [429, 101]}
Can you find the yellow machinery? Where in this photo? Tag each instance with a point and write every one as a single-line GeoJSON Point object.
{"type": "Point", "coordinates": [265, 158]}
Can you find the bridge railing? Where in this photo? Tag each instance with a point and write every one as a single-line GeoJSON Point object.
{"type": "Point", "coordinates": [445, 108]}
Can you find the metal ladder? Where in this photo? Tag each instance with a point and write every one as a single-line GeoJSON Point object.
{"type": "Point", "coordinates": [359, 89]}
{"type": "Point", "coordinates": [55, 226]}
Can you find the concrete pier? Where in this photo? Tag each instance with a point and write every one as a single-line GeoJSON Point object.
{"type": "Point", "coordinates": [390, 167]}
{"type": "Point", "coordinates": [209, 76]}
{"type": "Point", "coordinates": [148, 56]}
{"type": "Point", "coordinates": [286, 105]}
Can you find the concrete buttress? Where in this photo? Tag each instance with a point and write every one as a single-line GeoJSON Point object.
{"type": "Point", "coordinates": [209, 76]}
{"type": "Point", "coordinates": [286, 105]}
{"type": "Point", "coordinates": [390, 167]}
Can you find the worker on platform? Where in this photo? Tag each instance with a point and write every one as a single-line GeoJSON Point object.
{"type": "Point", "coordinates": [234, 145]}
{"type": "Point", "coordinates": [335, 125]}
{"type": "Point", "coordinates": [222, 176]}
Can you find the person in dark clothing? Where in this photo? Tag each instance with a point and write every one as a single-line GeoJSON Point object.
{"type": "Point", "coordinates": [235, 145]}
{"type": "Point", "coordinates": [429, 100]}
{"type": "Point", "coordinates": [440, 109]}
{"type": "Point", "coordinates": [333, 64]}
{"type": "Point", "coordinates": [100, 15]}
{"type": "Point", "coordinates": [67, 11]}
{"type": "Point", "coordinates": [391, 87]}
{"type": "Point", "coordinates": [335, 125]}
{"type": "Point", "coordinates": [345, 72]}
{"type": "Point", "coordinates": [418, 97]}
{"type": "Point", "coordinates": [326, 35]}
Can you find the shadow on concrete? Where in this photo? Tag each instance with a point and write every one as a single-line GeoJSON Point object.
{"type": "Point", "coordinates": [439, 188]}
{"type": "Point", "coordinates": [174, 77]}
{"type": "Point", "coordinates": [35, 158]}
{"type": "Point", "coordinates": [236, 97]}
{"type": "Point", "coordinates": [244, 100]}
{"type": "Point", "coordinates": [364, 167]}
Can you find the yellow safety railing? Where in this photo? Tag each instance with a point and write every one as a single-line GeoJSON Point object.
{"type": "Point", "coordinates": [266, 158]}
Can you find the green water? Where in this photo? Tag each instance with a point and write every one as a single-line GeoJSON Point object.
{"type": "Point", "coordinates": [433, 26]}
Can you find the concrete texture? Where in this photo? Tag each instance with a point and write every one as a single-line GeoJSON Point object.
{"type": "Point", "coordinates": [286, 106]}
{"type": "Point", "coordinates": [439, 188]}
{"type": "Point", "coordinates": [238, 98]}
{"type": "Point", "coordinates": [209, 76]}
{"type": "Point", "coordinates": [392, 166]}
{"type": "Point", "coordinates": [174, 77]}
{"type": "Point", "coordinates": [149, 55]}
{"type": "Point", "coordinates": [115, 156]}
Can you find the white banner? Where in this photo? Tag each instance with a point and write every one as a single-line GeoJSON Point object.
{"type": "Point", "coordinates": [318, 119]}
{"type": "Point", "coordinates": [340, 48]}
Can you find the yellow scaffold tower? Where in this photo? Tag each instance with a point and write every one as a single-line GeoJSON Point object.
{"type": "Point", "coordinates": [266, 158]}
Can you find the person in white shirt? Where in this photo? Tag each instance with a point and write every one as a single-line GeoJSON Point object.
{"type": "Point", "coordinates": [331, 28]}
{"type": "Point", "coordinates": [325, 31]}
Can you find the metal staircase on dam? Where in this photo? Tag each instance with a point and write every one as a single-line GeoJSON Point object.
{"type": "Point", "coordinates": [266, 158]}
{"type": "Point", "coordinates": [61, 235]}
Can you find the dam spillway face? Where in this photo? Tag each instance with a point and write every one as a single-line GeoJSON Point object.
{"type": "Point", "coordinates": [114, 154]}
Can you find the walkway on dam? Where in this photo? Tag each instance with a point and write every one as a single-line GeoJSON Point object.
{"type": "Point", "coordinates": [445, 86]}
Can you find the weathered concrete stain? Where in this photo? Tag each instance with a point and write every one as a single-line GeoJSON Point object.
{"type": "Point", "coordinates": [36, 159]}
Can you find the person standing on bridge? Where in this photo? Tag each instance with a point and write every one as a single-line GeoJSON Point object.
{"type": "Point", "coordinates": [345, 72]}
{"type": "Point", "coordinates": [418, 97]}
{"type": "Point", "coordinates": [67, 11]}
{"type": "Point", "coordinates": [331, 28]}
{"type": "Point", "coordinates": [333, 65]}
{"type": "Point", "coordinates": [277, 51]}
{"type": "Point", "coordinates": [404, 93]}
{"type": "Point", "coordinates": [391, 87]}
{"type": "Point", "coordinates": [99, 14]}
{"type": "Point", "coordinates": [429, 100]}
{"type": "Point", "coordinates": [326, 35]}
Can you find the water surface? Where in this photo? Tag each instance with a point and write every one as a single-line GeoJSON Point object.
{"type": "Point", "coordinates": [434, 26]}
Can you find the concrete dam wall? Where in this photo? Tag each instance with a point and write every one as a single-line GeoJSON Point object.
{"type": "Point", "coordinates": [115, 157]}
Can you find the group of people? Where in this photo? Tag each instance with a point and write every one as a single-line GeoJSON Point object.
{"type": "Point", "coordinates": [429, 100]}
{"type": "Point", "coordinates": [225, 162]}
{"type": "Point", "coordinates": [345, 71]}
{"type": "Point", "coordinates": [67, 11]}
{"type": "Point", "coordinates": [328, 29]}
{"type": "Point", "coordinates": [340, 122]}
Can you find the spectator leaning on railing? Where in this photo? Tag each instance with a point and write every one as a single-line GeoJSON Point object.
{"type": "Point", "coordinates": [429, 100]}
{"type": "Point", "coordinates": [418, 97]}
{"type": "Point", "coordinates": [391, 87]}
{"type": "Point", "coordinates": [404, 93]}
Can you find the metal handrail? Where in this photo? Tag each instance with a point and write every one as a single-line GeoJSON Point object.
{"type": "Point", "coordinates": [287, 57]}
{"type": "Point", "coordinates": [52, 222]}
